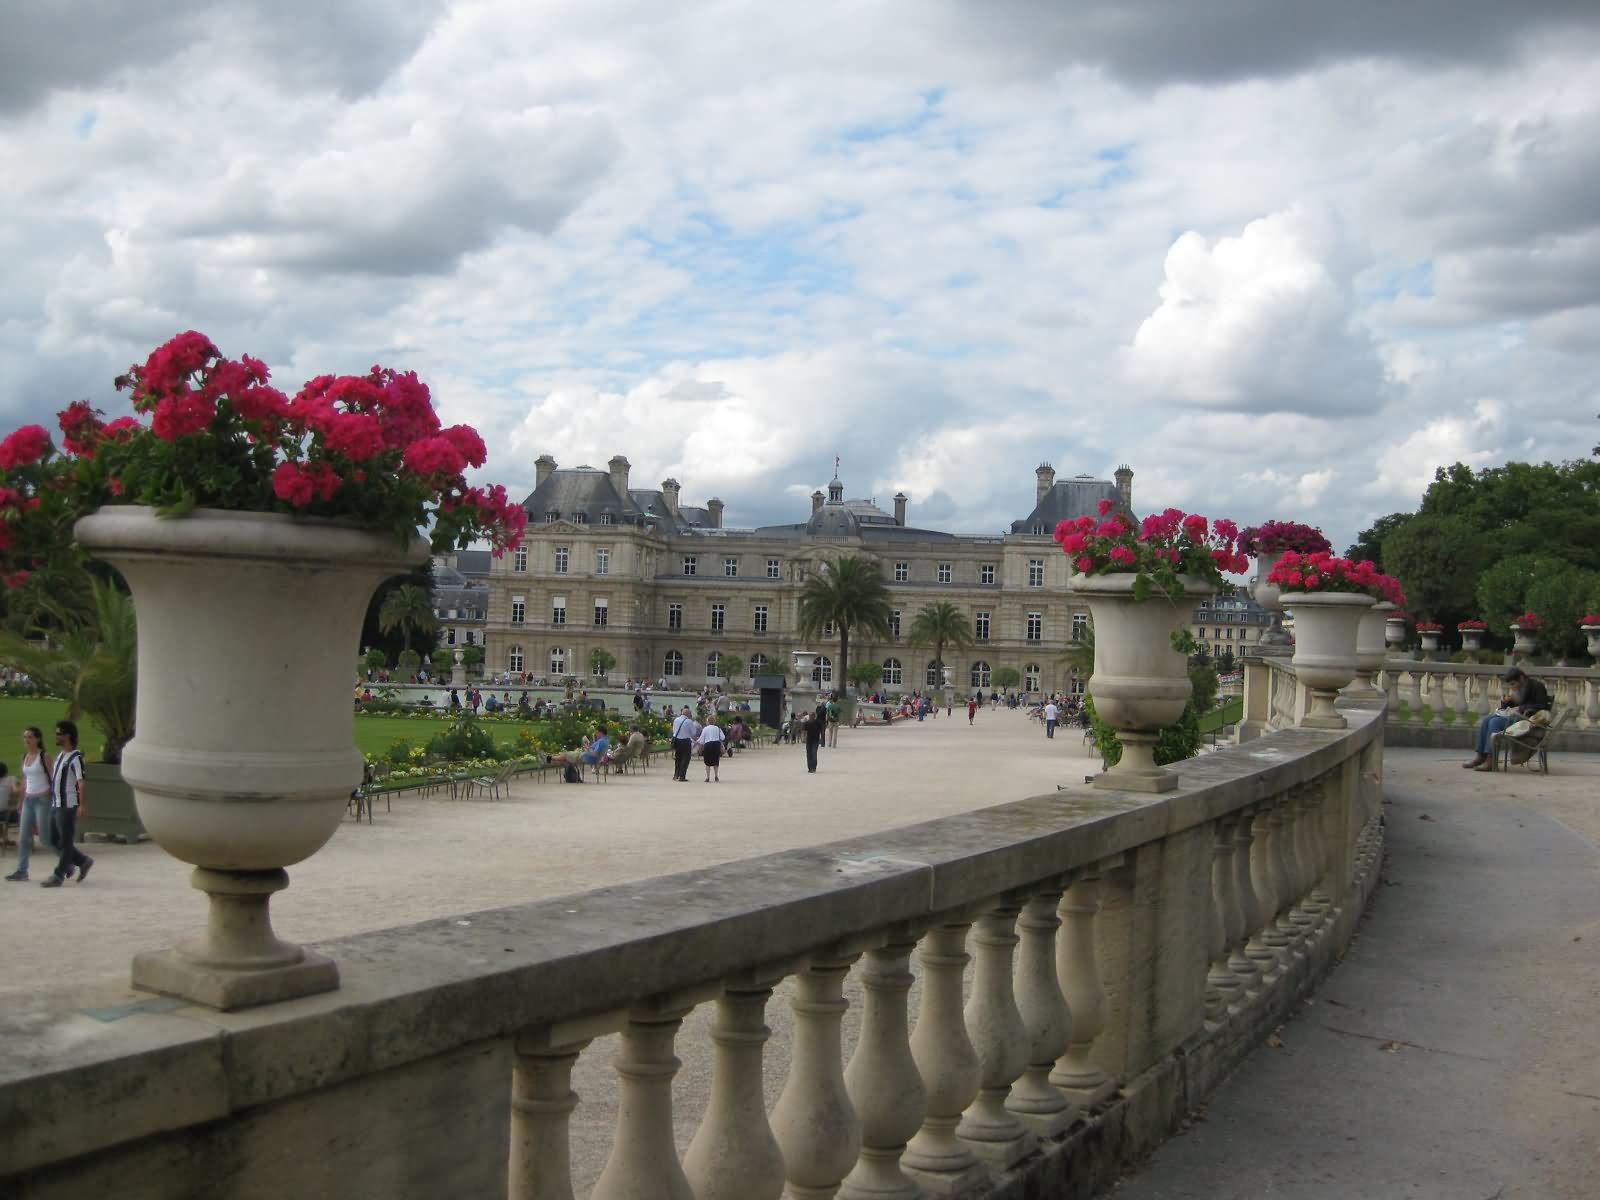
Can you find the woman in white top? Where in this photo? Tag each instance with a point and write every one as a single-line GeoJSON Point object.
{"type": "Point", "coordinates": [34, 784]}
{"type": "Point", "coordinates": [711, 740]}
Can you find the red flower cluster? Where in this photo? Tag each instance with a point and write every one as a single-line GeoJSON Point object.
{"type": "Point", "coordinates": [1529, 620]}
{"type": "Point", "coordinates": [367, 449]}
{"type": "Point", "coordinates": [1166, 546]}
{"type": "Point", "coordinates": [1322, 572]}
{"type": "Point", "coordinates": [1589, 619]}
{"type": "Point", "coordinates": [1274, 537]}
{"type": "Point", "coordinates": [1472, 623]}
{"type": "Point", "coordinates": [1429, 627]}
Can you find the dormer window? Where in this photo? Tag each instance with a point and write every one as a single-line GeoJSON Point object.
{"type": "Point", "coordinates": [580, 518]}
{"type": "Point", "coordinates": [550, 518]}
{"type": "Point", "coordinates": [607, 519]}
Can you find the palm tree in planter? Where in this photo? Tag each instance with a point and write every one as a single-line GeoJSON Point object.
{"type": "Point", "coordinates": [939, 625]}
{"type": "Point", "coordinates": [850, 595]}
{"type": "Point", "coordinates": [409, 609]}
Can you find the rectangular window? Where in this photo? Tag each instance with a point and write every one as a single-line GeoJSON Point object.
{"type": "Point", "coordinates": [562, 555]}
{"type": "Point", "coordinates": [519, 610]}
{"type": "Point", "coordinates": [691, 564]}
{"type": "Point", "coordinates": [730, 568]}
{"type": "Point", "coordinates": [902, 572]}
{"type": "Point", "coordinates": [600, 610]}
{"type": "Point", "coordinates": [1080, 627]}
{"type": "Point", "coordinates": [980, 626]}
{"type": "Point", "coordinates": [945, 573]}
{"type": "Point", "coordinates": [450, 636]}
{"type": "Point", "coordinates": [828, 631]}
{"type": "Point", "coordinates": [579, 518]}
{"type": "Point", "coordinates": [986, 573]}
{"type": "Point", "coordinates": [674, 616]}
{"type": "Point", "coordinates": [719, 617]}
{"type": "Point", "coordinates": [558, 610]}
{"type": "Point", "coordinates": [607, 519]}
{"type": "Point", "coordinates": [1201, 635]}
{"type": "Point", "coordinates": [602, 560]}
{"type": "Point", "coordinates": [894, 622]}
{"type": "Point", "coordinates": [519, 559]}
{"type": "Point", "coordinates": [1036, 572]}
{"type": "Point", "coordinates": [761, 618]}
{"type": "Point", "coordinates": [1035, 627]}
{"type": "Point", "coordinates": [471, 637]}
{"type": "Point", "coordinates": [773, 571]}
{"type": "Point", "coordinates": [550, 518]}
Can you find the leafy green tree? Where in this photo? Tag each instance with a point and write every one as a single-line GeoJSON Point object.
{"type": "Point", "coordinates": [1226, 663]}
{"type": "Point", "coordinates": [940, 624]}
{"type": "Point", "coordinates": [729, 665]}
{"type": "Point", "coordinates": [472, 656]}
{"type": "Point", "coordinates": [409, 609]}
{"type": "Point", "coordinates": [1504, 589]}
{"type": "Point", "coordinates": [1561, 598]}
{"type": "Point", "coordinates": [865, 675]}
{"type": "Point", "coordinates": [1526, 508]}
{"type": "Point", "coordinates": [376, 659]}
{"type": "Point", "coordinates": [851, 595]}
{"type": "Point", "coordinates": [408, 662]}
{"type": "Point", "coordinates": [1006, 678]}
{"type": "Point", "coordinates": [1438, 558]}
{"type": "Point", "coordinates": [1369, 542]}
{"type": "Point", "coordinates": [92, 661]}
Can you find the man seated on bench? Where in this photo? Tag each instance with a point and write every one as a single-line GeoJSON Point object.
{"type": "Point", "coordinates": [595, 750]}
{"type": "Point", "coordinates": [1524, 697]}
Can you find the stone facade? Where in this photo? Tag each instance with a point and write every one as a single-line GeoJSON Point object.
{"type": "Point", "coordinates": [665, 587]}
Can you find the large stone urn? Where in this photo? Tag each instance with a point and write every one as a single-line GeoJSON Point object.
{"type": "Point", "coordinates": [1140, 682]}
{"type": "Point", "coordinates": [245, 755]}
{"type": "Point", "coordinates": [1472, 639]}
{"type": "Point", "coordinates": [1592, 632]}
{"type": "Point", "coordinates": [1326, 625]}
{"type": "Point", "coordinates": [1525, 638]}
{"type": "Point", "coordinates": [1371, 652]}
{"type": "Point", "coordinates": [1394, 632]}
{"type": "Point", "coordinates": [1430, 640]}
{"type": "Point", "coordinates": [1270, 597]}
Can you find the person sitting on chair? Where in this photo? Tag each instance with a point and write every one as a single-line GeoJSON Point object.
{"type": "Point", "coordinates": [1524, 697]}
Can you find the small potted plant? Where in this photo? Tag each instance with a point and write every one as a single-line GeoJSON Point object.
{"type": "Point", "coordinates": [1140, 583]}
{"type": "Point", "coordinates": [1525, 632]}
{"type": "Point", "coordinates": [1429, 632]}
{"type": "Point", "coordinates": [1329, 596]}
{"type": "Point", "coordinates": [1472, 631]}
{"type": "Point", "coordinates": [1590, 624]}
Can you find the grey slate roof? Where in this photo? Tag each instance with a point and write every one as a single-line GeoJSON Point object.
{"type": "Point", "coordinates": [586, 490]}
{"type": "Point", "coordinates": [1066, 500]}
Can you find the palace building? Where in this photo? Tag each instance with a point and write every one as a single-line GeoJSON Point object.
{"type": "Point", "coordinates": [665, 587]}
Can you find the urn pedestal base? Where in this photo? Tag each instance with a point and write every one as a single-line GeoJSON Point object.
{"type": "Point", "coordinates": [1137, 772]}
{"type": "Point", "coordinates": [240, 962]}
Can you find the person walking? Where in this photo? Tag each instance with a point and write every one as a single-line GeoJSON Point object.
{"type": "Point", "coordinates": [1051, 715]}
{"type": "Point", "coordinates": [67, 805]}
{"type": "Point", "coordinates": [683, 734]}
{"type": "Point", "coordinates": [972, 709]}
{"type": "Point", "coordinates": [812, 727]}
{"type": "Point", "coordinates": [711, 741]}
{"type": "Point", "coordinates": [34, 786]}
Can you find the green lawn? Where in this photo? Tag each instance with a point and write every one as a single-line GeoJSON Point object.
{"type": "Point", "coordinates": [16, 714]}
{"type": "Point", "coordinates": [374, 733]}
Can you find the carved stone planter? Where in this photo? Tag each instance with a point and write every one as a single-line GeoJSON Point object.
{"type": "Point", "coordinates": [1394, 632]}
{"type": "Point", "coordinates": [1325, 629]}
{"type": "Point", "coordinates": [1269, 597]}
{"type": "Point", "coordinates": [1430, 640]}
{"type": "Point", "coordinates": [1371, 653]}
{"type": "Point", "coordinates": [1525, 638]}
{"type": "Point", "coordinates": [1140, 682]}
{"type": "Point", "coordinates": [245, 755]}
{"type": "Point", "coordinates": [1471, 639]}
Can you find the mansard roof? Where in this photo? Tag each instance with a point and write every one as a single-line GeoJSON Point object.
{"type": "Point", "coordinates": [1066, 500]}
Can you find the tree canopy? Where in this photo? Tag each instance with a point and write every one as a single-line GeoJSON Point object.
{"type": "Point", "coordinates": [939, 625]}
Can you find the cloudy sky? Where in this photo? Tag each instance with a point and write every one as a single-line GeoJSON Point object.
{"type": "Point", "coordinates": [1283, 266]}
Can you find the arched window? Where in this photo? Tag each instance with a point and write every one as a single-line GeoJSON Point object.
{"type": "Point", "coordinates": [823, 672]}
{"type": "Point", "coordinates": [758, 665]}
{"type": "Point", "coordinates": [1030, 677]}
{"type": "Point", "coordinates": [558, 660]}
{"type": "Point", "coordinates": [711, 665]}
{"type": "Point", "coordinates": [514, 660]}
{"type": "Point", "coordinates": [673, 666]}
{"type": "Point", "coordinates": [980, 674]}
{"type": "Point", "coordinates": [891, 672]}
{"type": "Point", "coordinates": [935, 676]}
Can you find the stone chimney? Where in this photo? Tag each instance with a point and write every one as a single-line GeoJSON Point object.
{"type": "Point", "coordinates": [543, 467]}
{"type": "Point", "coordinates": [619, 476]}
{"type": "Point", "coordinates": [900, 508]}
{"type": "Point", "coordinates": [1046, 476]}
{"type": "Point", "coordinates": [816, 500]}
{"type": "Point", "coordinates": [1124, 479]}
{"type": "Point", "coordinates": [714, 507]}
{"type": "Point", "coordinates": [669, 495]}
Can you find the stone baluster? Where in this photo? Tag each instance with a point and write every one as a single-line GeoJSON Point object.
{"type": "Point", "coordinates": [1223, 987]}
{"type": "Point", "coordinates": [1592, 686]}
{"type": "Point", "coordinates": [1283, 857]}
{"type": "Point", "coordinates": [733, 1155]}
{"type": "Point", "coordinates": [644, 1158]}
{"type": "Point", "coordinates": [995, 1025]}
{"type": "Point", "coordinates": [1463, 698]}
{"type": "Point", "coordinates": [1038, 1103]}
{"type": "Point", "coordinates": [882, 1077]}
{"type": "Point", "coordinates": [1443, 686]}
{"type": "Point", "coordinates": [1300, 827]}
{"type": "Point", "coordinates": [1079, 972]}
{"type": "Point", "coordinates": [1268, 944]}
{"type": "Point", "coordinates": [1318, 902]}
{"type": "Point", "coordinates": [1488, 697]}
{"type": "Point", "coordinates": [542, 1101]}
{"type": "Point", "coordinates": [1391, 689]}
{"type": "Point", "coordinates": [1244, 898]}
{"type": "Point", "coordinates": [1414, 694]}
{"type": "Point", "coordinates": [948, 1064]}
{"type": "Point", "coordinates": [814, 1121]}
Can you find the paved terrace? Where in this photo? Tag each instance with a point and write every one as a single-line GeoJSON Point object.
{"type": "Point", "coordinates": [1450, 1055]}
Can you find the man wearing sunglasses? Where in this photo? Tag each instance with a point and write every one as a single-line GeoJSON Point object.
{"type": "Point", "coordinates": [67, 806]}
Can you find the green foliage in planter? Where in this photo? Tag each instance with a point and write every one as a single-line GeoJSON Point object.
{"type": "Point", "coordinates": [471, 656]}
{"type": "Point", "coordinates": [466, 738]}
{"type": "Point", "coordinates": [408, 662]}
{"type": "Point", "coordinates": [376, 660]}
{"type": "Point", "coordinates": [1174, 744]}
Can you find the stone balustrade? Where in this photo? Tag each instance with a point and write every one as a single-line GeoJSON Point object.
{"type": "Point", "coordinates": [1440, 703]}
{"type": "Point", "coordinates": [1090, 967]}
